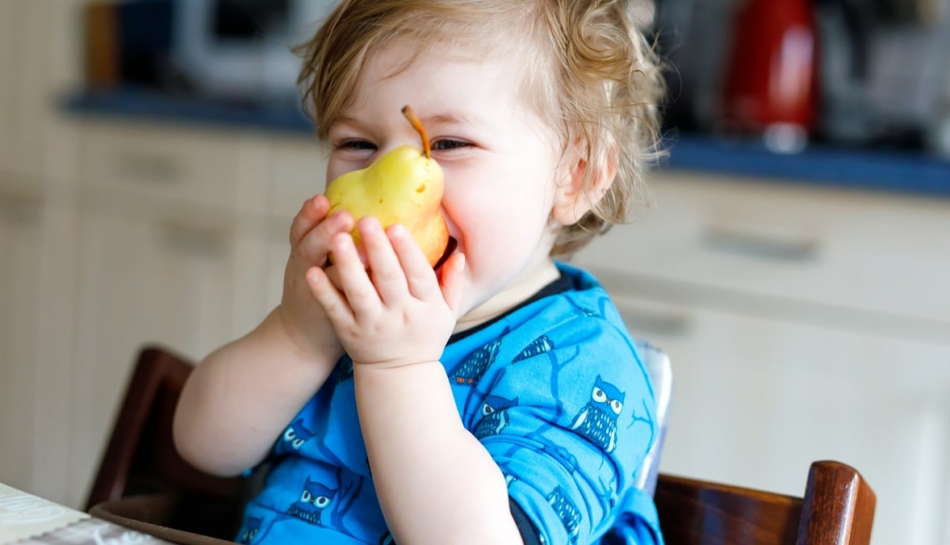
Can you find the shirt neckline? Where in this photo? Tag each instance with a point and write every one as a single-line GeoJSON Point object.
{"type": "Point", "coordinates": [561, 284]}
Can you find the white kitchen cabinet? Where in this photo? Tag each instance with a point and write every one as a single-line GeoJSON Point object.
{"type": "Point", "coordinates": [53, 367]}
{"type": "Point", "coordinates": [9, 63]}
{"type": "Point", "coordinates": [802, 324]}
{"type": "Point", "coordinates": [875, 255]}
{"type": "Point", "coordinates": [171, 251]}
{"type": "Point", "coordinates": [172, 248]}
{"type": "Point", "coordinates": [297, 172]}
{"type": "Point", "coordinates": [56, 62]}
{"type": "Point", "coordinates": [757, 399]}
{"type": "Point", "coordinates": [168, 164]}
{"type": "Point", "coordinates": [40, 59]}
{"type": "Point", "coordinates": [177, 279]}
{"type": "Point", "coordinates": [37, 254]}
{"type": "Point", "coordinates": [20, 259]}
{"type": "Point", "coordinates": [278, 251]}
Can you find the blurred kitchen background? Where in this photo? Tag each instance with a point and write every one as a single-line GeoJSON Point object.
{"type": "Point", "coordinates": [795, 262]}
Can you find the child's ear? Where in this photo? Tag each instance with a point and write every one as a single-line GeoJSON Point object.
{"type": "Point", "coordinates": [571, 198]}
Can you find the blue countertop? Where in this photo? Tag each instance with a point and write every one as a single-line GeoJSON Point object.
{"type": "Point", "coordinates": [900, 171]}
{"type": "Point", "coordinates": [163, 108]}
{"type": "Point", "coordinates": [905, 172]}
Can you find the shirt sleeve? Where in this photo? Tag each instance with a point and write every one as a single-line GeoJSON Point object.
{"type": "Point", "coordinates": [569, 422]}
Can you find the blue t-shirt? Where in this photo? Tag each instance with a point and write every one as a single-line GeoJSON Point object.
{"type": "Point", "coordinates": [554, 390]}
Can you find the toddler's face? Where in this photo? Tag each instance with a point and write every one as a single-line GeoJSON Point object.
{"type": "Point", "coordinates": [500, 161]}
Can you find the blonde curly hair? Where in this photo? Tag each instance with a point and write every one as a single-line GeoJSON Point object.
{"type": "Point", "coordinates": [590, 74]}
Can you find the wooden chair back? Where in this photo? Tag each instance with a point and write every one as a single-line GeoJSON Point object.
{"type": "Point", "coordinates": [837, 509]}
{"type": "Point", "coordinates": [140, 457]}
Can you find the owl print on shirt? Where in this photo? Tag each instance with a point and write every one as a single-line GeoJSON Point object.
{"type": "Point", "coordinates": [314, 499]}
{"type": "Point", "coordinates": [597, 421]}
{"type": "Point", "coordinates": [567, 511]}
{"type": "Point", "coordinates": [474, 366]}
{"type": "Point", "coordinates": [494, 413]}
{"type": "Point", "coordinates": [296, 435]}
{"type": "Point", "coordinates": [537, 347]}
{"type": "Point", "coordinates": [250, 530]}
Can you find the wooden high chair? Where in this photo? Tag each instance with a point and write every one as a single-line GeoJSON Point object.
{"type": "Point", "coordinates": [141, 477]}
{"type": "Point", "coordinates": [143, 483]}
{"type": "Point", "coordinates": [837, 509]}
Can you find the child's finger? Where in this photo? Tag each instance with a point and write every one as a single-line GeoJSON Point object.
{"type": "Point", "coordinates": [384, 266]}
{"type": "Point", "coordinates": [357, 287]}
{"type": "Point", "coordinates": [334, 274]}
{"type": "Point", "coordinates": [420, 277]}
{"type": "Point", "coordinates": [453, 281]}
{"type": "Point", "coordinates": [332, 301]}
{"type": "Point", "coordinates": [313, 211]}
{"type": "Point", "coordinates": [316, 244]}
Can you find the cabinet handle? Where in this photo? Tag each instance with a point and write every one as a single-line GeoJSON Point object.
{"type": "Point", "coordinates": [747, 243]}
{"type": "Point", "coordinates": [150, 168]}
{"type": "Point", "coordinates": [644, 321]}
{"type": "Point", "coordinates": [193, 240]}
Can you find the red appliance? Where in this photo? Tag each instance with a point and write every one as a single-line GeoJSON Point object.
{"type": "Point", "coordinates": [771, 74]}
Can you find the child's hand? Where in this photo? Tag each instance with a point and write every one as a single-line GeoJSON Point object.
{"type": "Point", "coordinates": [397, 312]}
{"type": "Point", "coordinates": [302, 317]}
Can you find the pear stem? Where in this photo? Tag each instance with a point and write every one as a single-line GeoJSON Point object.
{"type": "Point", "coordinates": [407, 111]}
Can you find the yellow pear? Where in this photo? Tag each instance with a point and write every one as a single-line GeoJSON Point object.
{"type": "Point", "coordinates": [403, 186]}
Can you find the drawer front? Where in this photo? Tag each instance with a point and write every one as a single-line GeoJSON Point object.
{"type": "Point", "coordinates": [845, 254]}
{"type": "Point", "coordinates": [157, 162]}
{"type": "Point", "coordinates": [298, 172]}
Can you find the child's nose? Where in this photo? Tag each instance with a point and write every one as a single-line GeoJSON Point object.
{"type": "Point", "coordinates": [398, 142]}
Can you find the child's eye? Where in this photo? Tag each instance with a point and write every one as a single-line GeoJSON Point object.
{"type": "Point", "coordinates": [359, 145]}
{"type": "Point", "coordinates": [448, 144]}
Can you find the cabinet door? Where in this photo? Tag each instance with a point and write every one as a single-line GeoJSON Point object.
{"type": "Point", "coordinates": [20, 258]}
{"type": "Point", "coordinates": [31, 101]}
{"type": "Point", "coordinates": [298, 172]}
{"type": "Point", "coordinates": [47, 56]}
{"type": "Point", "coordinates": [757, 399]}
{"type": "Point", "coordinates": [278, 251]}
{"type": "Point", "coordinates": [298, 169]}
{"type": "Point", "coordinates": [145, 281]}
{"type": "Point", "coordinates": [9, 47]}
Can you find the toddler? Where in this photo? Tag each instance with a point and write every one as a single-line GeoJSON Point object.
{"type": "Point", "coordinates": [499, 398]}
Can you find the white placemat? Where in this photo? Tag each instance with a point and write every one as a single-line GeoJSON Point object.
{"type": "Point", "coordinates": [28, 520]}
{"type": "Point", "coordinates": [23, 515]}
